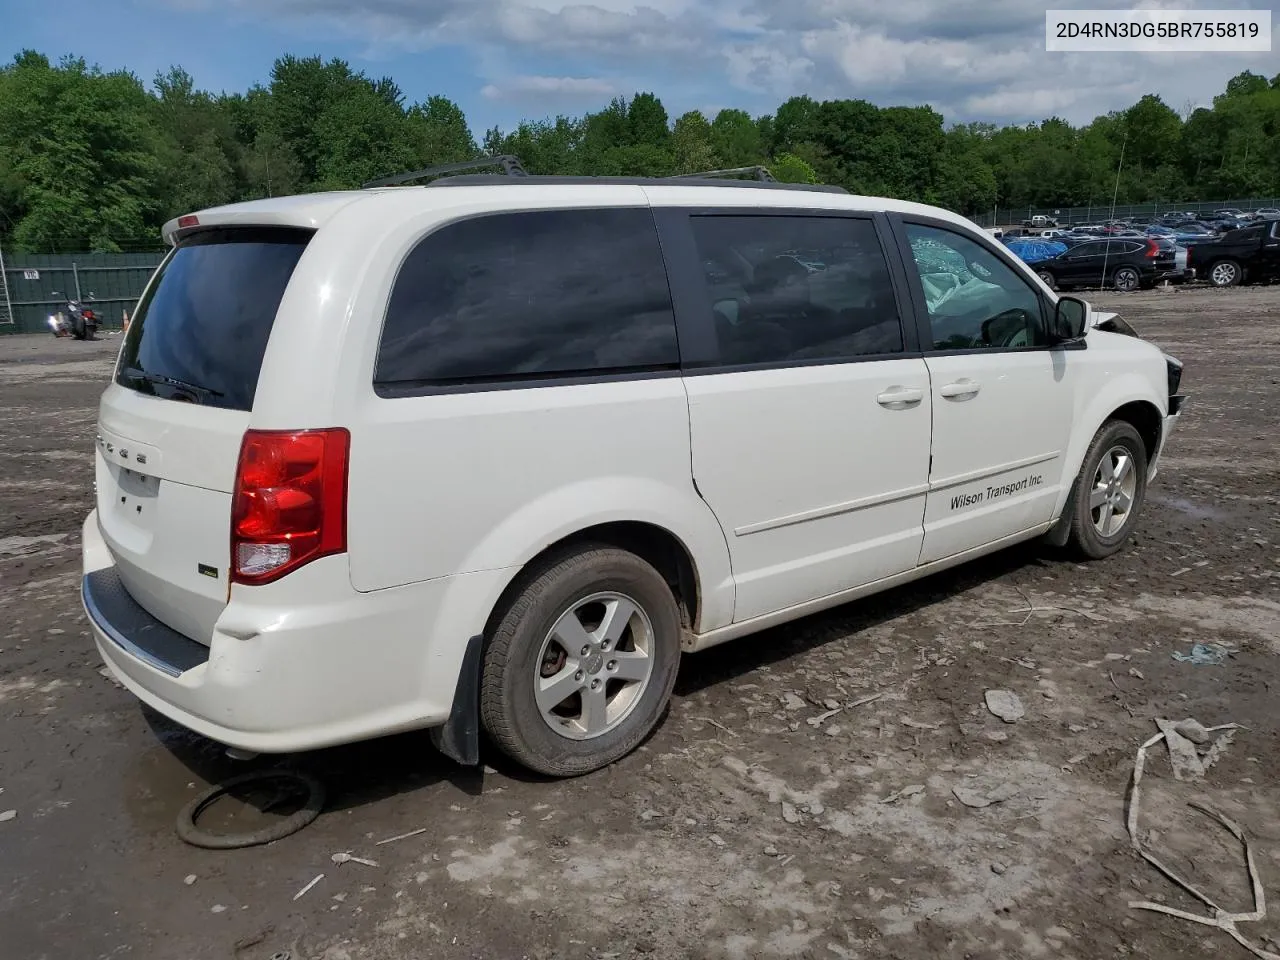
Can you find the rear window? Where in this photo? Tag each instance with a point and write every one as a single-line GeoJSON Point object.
{"type": "Point", "coordinates": [532, 296]}
{"type": "Point", "coordinates": [201, 328]}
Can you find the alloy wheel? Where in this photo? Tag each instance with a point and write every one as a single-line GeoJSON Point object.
{"type": "Point", "coordinates": [594, 665]}
{"type": "Point", "coordinates": [1115, 485]}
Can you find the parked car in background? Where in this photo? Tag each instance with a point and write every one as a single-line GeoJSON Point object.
{"type": "Point", "coordinates": [1250, 255]}
{"type": "Point", "coordinates": [1234, 212]}
{"type": "Point", "coordinates": [1192, 232]}
{"type": "Point", "coordinates": [1267, 213]}
{"type": "Point", "coordinates": [1123, 263]}
{"type": "Point", "coordinates": [1221, 224]}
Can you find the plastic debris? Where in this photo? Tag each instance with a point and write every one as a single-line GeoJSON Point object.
{"type": "Point", "coordinates": [402, 836]}
{"type": "Point", "coordinates": [1220, 918]}
{"type": "Point", "coordinates": [1204, 654]}
{"type": "Point", "coordinates": [301, 893]}
{"type": "Point", "coordinates": [189, 879]}
{"type": "Point", "coordinates": [348, 858]}
{"type": "Point", "coordinates": [1005, 705]}
{"type": "Point", "coordinates": [8, 815]}
{"type": "Point", "coordinates": [1182, 753]}
{"type": "Point", "coordinates": [905, 792]}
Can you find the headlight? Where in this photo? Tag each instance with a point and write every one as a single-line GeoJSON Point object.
{"type": "Point", "coordinates": [1175, 374]}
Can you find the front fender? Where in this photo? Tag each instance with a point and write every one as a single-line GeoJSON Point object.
{"type": "Point", "coordinates": [1096, 404]}
{"type": "Point", "coordinates": [570, 509]}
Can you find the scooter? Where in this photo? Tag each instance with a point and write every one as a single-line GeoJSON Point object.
{"type": "Point", "coordinates": [77, 321]}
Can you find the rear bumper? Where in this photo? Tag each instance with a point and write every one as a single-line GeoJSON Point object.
{"type": "Point", "coordinates": [305, 663]}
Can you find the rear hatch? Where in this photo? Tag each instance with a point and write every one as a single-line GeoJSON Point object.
{"type": "Point", "coordinates": [171, 423]}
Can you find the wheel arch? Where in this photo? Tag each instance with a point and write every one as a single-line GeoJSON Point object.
{"type": "Point", "coordinates": [1132, 397]}
{"type": "Point", "coordinates": [1140, 413]}
{"type": "Point", "coordinates": [1145, 417]}
{"type": "Point", "coordinates": [654, 544]}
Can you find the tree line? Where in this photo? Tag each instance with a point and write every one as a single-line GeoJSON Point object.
{"type": "Point", "coordinates": [94, 160]}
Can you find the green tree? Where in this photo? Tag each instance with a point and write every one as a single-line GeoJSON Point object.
{"type": "Point", "coordinates": [691, 144]}
{"type": "Point", "coordinates": [788, 168]}
{"type": "Point", "coordinates": [80, 147]}
{"type": "Point", "coordinates": [736, 139]}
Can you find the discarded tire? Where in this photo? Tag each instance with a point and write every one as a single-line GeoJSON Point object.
{"type": "Point", "coordinates": [192, 834]}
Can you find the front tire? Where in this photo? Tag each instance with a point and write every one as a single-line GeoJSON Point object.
{"type": "Point", "coordinates": [580, 666]}
{"type": "Point", "coordinates": [1109, 491]}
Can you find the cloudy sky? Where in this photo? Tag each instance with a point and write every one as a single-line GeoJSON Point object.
{"type": "Point", "coordinates": [507, 59]}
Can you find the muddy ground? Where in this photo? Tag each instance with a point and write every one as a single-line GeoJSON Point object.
{"type": "Point", "coordinates": [744, 828]}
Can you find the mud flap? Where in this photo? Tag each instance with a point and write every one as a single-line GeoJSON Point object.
{"type": "Point", "coordinates": [1060, 532]}
{"type": "Point", "coordinates": [459, 738]}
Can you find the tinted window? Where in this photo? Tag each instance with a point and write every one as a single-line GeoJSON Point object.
{"type": "Point", "coordinates": [530, 295]}
{"type": "Point", "coordinates": [793, 288]}
{"type": "Point", "coordinates": [975, 300]}
{"type": "Point", "coordinates": [200, 330]}
{"type": "Point", "coordinates": [1086, 250]}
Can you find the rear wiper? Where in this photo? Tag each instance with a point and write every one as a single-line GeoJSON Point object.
{"type": "Point", "coordinates": [138, 374]}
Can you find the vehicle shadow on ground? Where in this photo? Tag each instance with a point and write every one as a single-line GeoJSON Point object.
{"type": "Point", "coordinates": [842, 624]}
{"type": "Point", "coordinates": [354, 775]}
{"type": "Point", "coordinates": [362, 774]}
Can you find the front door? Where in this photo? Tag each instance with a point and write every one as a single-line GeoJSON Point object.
{"type": "Point", "coordinates": [1082, 264]}
{"type": "Point", "coordinates": [1003, 400]}
{"type": "Point", "coordinates": [809, 418]}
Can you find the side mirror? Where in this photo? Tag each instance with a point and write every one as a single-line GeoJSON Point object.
{"type": "Point", "coordinates": [1070, 319]}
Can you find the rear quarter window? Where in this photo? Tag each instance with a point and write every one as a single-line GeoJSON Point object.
{"type": "Point", "coordinates": [201, 328]}
{"type": "Point", "coordinates": [530, 296]}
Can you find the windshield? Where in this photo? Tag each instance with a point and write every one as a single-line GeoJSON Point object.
{"type": "Point", "coordinates": [201, 328]}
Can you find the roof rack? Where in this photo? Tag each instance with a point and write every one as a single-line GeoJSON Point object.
{"type": "Point", "coordinates": [498, 180]}
{"type": "Point", "coordinates": [760, 173]}
{"type": "Point", "coordinates": [511, 167]}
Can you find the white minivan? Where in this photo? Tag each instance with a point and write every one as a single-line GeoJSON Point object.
{"type": "Point", "coordinates": [488, 456]}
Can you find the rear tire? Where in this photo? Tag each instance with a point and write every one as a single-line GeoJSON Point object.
{"type": "Point", "coordinates": [1109, 491]}
{"type": "Point", "coordinates": [1048, 279]}
{"type": "Point", "coordinates": [1126, 279]}
{"type": "Point", "coordinates": [616, 607]}
{"type": "Point", "coordinates": [1225, 273]}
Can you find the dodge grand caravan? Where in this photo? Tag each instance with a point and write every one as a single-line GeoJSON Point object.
{"type": "Point", "coordinates": [488, 456]}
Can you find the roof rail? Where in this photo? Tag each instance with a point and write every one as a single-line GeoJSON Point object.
{"type": "Point", "coordinates": [498, 180]}
{"type": "Point", "coordinates": [758, 172]}
{"type": "Point", "coordinates": [511, 167]}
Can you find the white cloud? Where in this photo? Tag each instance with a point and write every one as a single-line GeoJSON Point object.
{"type": "Point", "coordinates": [542, 88]}
{"type": "Point", "coordinates": [970, 59]}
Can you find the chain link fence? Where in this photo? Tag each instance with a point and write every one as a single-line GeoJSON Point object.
{"type": "Point", "coordinates": [1072, 216]}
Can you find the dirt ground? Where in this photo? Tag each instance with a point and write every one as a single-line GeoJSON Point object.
{"type": "Point", "coordinates": [746, 827]}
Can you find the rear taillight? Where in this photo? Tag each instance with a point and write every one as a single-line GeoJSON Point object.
{"type": "Point", "coordinates": [1153, 249]}
{"type": "Point", "coordinates": [290, 502]}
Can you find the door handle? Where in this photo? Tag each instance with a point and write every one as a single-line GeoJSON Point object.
{"type": "Point", "coordinates": [900, 398]}
{"type": "Point", "coordinates": [961, 389]}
